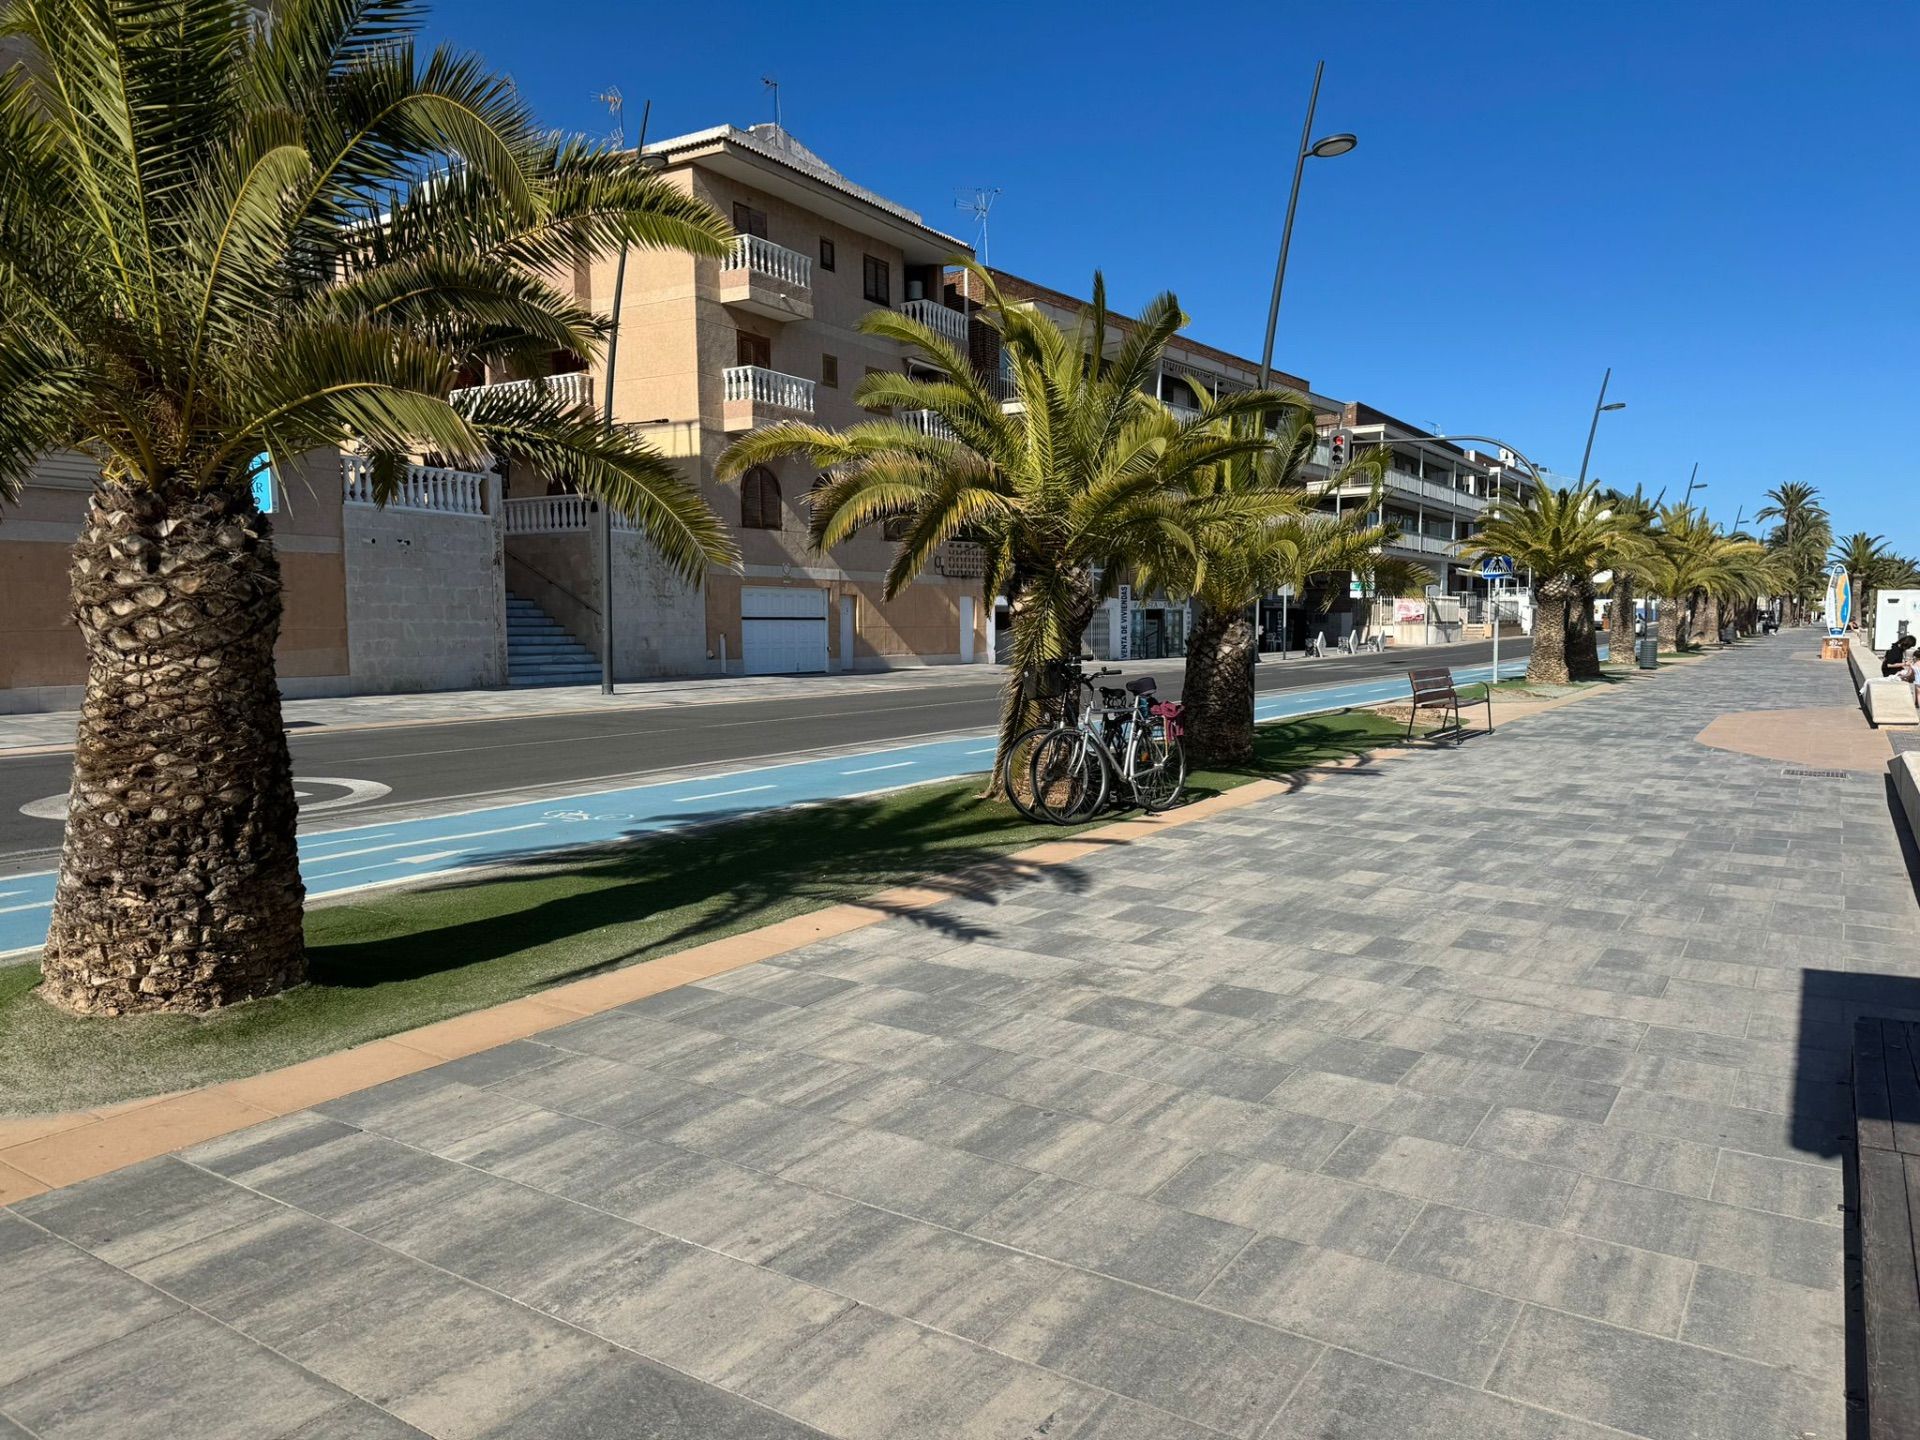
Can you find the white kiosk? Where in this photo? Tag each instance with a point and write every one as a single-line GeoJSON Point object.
{"type": "Point", "coordinates": [1895, 613]}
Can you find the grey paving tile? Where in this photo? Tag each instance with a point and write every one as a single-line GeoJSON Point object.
{"type": "Point", "coordinates": [1635, 1288]}
{"type": "Point", "coordinates": [870, 1376]}
{"type": "Point", "coordinates": [440, 1354]}
{"type": "Point", "coordinates": [1565, 1095]}
{"type": "Point", "coordinates": [182, 1376]}
{"type": "Point", "coordinates": [1786, 1187]}
{"type": "Point", "coordinates": [625, 1397]}
{"type": "Point", "coordinates": [1205, 1367]}
{"type": "Point", "coordinates": [1379, 1107]}
{"type": "Point", "coordinates": [1059, 1085]}
{"type": "Point", "coordinates": [1624, 1155]}
{"type": "Point", "coordinates": [906, 1267]}
{"type": "Point", "coordinates": [502, 1062]}
{"type": "Point", "coordinates": [1706, 1123]}
{"type": "Point", "coordinates": [56, 1303]}
{"type": "Point", "coordinates": [1455, 1174]}
{"type": "Point", "coordinates": [703, 1313]}
{"type": "Point", "coordinates": [362, 1179]}
{"type": "Point", "coordinates": [1747, 1241]}
{"type": "Point", "coordinates": [1658, 1388]}
{"type": "Point", "coordinates": [354, 1420]}
{"type": "Point", "coordinates": [1352, 1397]}
{"type": "Point", "coordinates": [250, 1152]}
{"type": "Point", "coordinates": [1419, 1320]}
{"type": "Point", "coordinates": [1241, 1127]}
{"type": "Point", "coordinates": [1661, 1074]}
{"type": "Point", "coordinates": [925, 1181]}
{"type": "Point", "coordinates": [1128, 1238]}
{"type": "Point", "coordinates": [1769, 1320]}
{"type": "Point", "coordinates": [741, 1129]}
{"type": "Point", "coordinates": [429, 1115]}
{"type": "Point", "coordinates": [1294, 1204]}
{"type": "Point", "coordinates": [145, 1209]}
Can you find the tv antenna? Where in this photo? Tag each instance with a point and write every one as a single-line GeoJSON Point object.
{"type": "Point", "coordinates": [774, 85]}
{"type": "Point", "coordinates": [978, 202]}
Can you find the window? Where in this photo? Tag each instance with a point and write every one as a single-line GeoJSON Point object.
{"type": "Point", "coordinates": [826, 253]}
{"type": "Point", "coordinates": [897, 528]}
{"type": "Point", "coordinates": [759, 500]}
{"type": "Point", "coordinates": [830, 371]}
{"type": "Point", "coordinates": [754, 349]}
{"type": "Point", "coordinates": [749, 221]}
{"type": "Point", "coordinates": [877, 281]}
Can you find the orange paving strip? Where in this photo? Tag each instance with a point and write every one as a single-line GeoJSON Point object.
{"type": "Point", "coordinates": [1831, 738]}
{"type": "Point", "coordinates": [42, 1152]}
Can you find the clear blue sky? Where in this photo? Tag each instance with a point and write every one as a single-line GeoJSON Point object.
{"type": "Point", "coordinates": [1716, 199]}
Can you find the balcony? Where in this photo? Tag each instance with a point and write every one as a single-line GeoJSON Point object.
{"type": "Point", "coordinates": [574, 388]}
{"type": "Point", "coordinates": [949, 325]}
{"type": "Point", "coordinates": [755, 396]}
{"type": "Point", "coordinates": [1428, 492]}
{"type": "Point", "coordinates": [433, 489]}
{"type": "Point", "coordinates": [927, 422]}
{"type": "Point", "coordinates": [766, 279]}
{"type": "Point", "coordinates": [555, 515]}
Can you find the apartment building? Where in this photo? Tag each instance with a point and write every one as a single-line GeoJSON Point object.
{"type": "Point", "coordinates": [710, 349]}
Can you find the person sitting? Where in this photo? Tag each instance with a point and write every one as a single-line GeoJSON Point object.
{"type": "Point", "coordinates": [1896, 656]}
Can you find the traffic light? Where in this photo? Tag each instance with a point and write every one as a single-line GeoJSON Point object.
{"type": "Point", "coordinates": [1337, 448]}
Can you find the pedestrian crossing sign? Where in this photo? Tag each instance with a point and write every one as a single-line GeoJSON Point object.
{"type": "Point", "coordinates": [1496, 567]}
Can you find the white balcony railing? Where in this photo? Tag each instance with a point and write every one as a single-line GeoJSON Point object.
{"type": "Point", "coordinates": [769, 387]}
{"type": "Point", "coordinates": [1426, 544]}
{"type": "Point", "coordinates": [947, 324]}
{"type": "Point", "coordinates": [574, 388]}
{"type": "Point", "coordinates": [763, 257]}
{"type": "Point", "coordinates": [927, 422]}
{"type": "Point", "coordinates": [430, 488]}
{"type": "Point", "coordinates": [554, 514]}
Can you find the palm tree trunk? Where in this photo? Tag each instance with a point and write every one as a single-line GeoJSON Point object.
{"type": "Point", "coordinates": [1548, 663]}
{"type": "Point", "coordinates": [1710, 621]}
{"type": "Point", "coordinates": [1219, 688]}
{"type": "Point", "coordinates": [1672, 613]}
{"type": "Point", "coordinates": [179, 882]}
{"type": "Point", "coordinates": [1583, 640]}
{"type": "Point", "coordinates": [1620, 618]}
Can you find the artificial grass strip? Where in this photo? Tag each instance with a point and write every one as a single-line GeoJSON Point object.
{"type": "Point", "coordinates": [392, 960]}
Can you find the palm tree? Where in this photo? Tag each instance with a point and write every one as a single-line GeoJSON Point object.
{"type": "Point", "coordinates": [215, 244]}
{"type": "Point", "coordinates": [1802, 537]}
{"type": "Point", "coordinates": [1872, 566]}
{"type": "Point", "coordinates": [1077, 479]}
{"type": "Point", "coordinates": [1563, 536]}
{"type": "Point", "coordinates": [1637, 518]}
{"type": "Point", "coordinates": [1698, 567]}
{"type": "Point", "coordinates": [1255, 529]}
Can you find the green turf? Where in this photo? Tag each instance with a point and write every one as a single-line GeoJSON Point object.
{"type": "Point", "coordinates": [397, 959]}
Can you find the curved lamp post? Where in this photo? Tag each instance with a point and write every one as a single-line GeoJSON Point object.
{"type": "Point", "coordinates": [1325, 148]}
{"type": "Point", "coordinates": [1599, 407]}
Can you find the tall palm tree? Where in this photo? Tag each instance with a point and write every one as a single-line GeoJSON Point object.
{"type": "Point", "coordinates": [1698, 567]}
{"type": "Point", "coordinates": [1871, 564]}
{"type": "Point", "coordinates": [1079, 477]}
{"type": "Point", "coordinates": [1255, 530]}
{"type": "Point", "coordinates": [216, 243]}
{"type": "Point", "coordinates": [1563, 536]}
{"type": "Point", "coordinates": [1801, 536]}
{"type": "Point", "coordinates": [1637, 520]}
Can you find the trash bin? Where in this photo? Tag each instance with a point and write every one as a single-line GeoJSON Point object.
{"type": "Point", "coordinates": [1647, 650]}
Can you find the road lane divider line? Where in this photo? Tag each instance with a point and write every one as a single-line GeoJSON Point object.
{"type": "Point", "coordinates": [869, 769]}
{"type": "Point", "coordinates": [429, 840]}
{"type": "Point", "coordinates": [30, 905]}
{"type": "Point", "coordinates": [720, 794]}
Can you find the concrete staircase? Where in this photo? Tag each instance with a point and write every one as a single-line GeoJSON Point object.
{"type": "Point", "coordinates": [540, 651]}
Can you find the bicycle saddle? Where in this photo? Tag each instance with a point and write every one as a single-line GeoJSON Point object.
{"type": "Point", "coordinates": [1145, 685]}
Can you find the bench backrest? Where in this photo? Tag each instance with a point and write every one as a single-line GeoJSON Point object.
{"type": "Point", "coordinates": [1431, 685]}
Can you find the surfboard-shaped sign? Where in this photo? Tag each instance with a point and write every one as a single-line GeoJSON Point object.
{"type": "Point", "coordinates": [1839, 600]}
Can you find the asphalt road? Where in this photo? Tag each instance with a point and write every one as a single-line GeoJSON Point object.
{"type": "Point", "coordinates": [466, 761]}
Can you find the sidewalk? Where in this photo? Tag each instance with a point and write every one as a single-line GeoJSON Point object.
{"type": "Point", "coordinates": [1487, 1092]}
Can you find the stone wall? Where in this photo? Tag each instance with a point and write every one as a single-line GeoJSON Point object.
{"type": "Point", "coordinates": [660, 622]}
{"type": "Point", "coordinates": [426, 599]}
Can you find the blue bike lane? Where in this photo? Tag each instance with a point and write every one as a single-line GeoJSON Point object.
{"type": "Point", "coordinates": [383, 854]}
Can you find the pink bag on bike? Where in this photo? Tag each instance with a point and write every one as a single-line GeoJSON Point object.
{"type": "Point", "coordinates": [1171, 712]}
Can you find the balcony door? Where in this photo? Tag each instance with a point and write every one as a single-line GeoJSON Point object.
{"type": "Point", "coordinates": [754, 350]}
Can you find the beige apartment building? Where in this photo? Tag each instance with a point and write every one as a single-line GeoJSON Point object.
{"type": "Point", "coordinates": [711, 349]}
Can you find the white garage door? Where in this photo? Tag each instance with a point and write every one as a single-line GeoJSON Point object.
{"type": "Point", "coordinates": [783, 631]}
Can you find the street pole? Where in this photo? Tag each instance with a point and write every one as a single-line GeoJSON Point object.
{"type": "Point", "coordinates": [1286, 231]}
{"type": "Point", "coordinates": [1594, 427]}
{"type": "Point", "coordinates": [612, 97]}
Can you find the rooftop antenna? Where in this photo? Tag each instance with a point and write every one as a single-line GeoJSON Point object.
{"type": "Point", "coordinates": [978, 202]}
{"type": "Point", "coordinates": [774, 85]}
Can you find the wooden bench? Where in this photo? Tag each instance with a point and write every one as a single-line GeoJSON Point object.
{"type": "Point", "coordinates": [1435, 690]}
{"type": "Point", "coordinates": [1886, 1126]}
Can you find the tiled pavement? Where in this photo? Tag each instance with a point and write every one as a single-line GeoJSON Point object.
{"type": "Point", "coordinates": [1493, 1093]}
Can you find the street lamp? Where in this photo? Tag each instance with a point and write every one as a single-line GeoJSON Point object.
{"type": "Point", "coordinates": [1325, 148]}
{"type": "Point", "coordinates": [1599, 406]}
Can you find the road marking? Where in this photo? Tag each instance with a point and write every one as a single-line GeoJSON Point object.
{"type": "Point", "coordinates": [16, 909]}
{"type": "Point", "coordinates": [355, 838]}
{"type": "Point", "coordinates": [720, 794]}
{"type": "Point", "coordinates": [398, 860]}
{"type": "Point", "coordinates": [988, 751]}
{"type": "Point", "coordinates": [869, 769]}
{"type": "Point", "coordinates": [431, 840]}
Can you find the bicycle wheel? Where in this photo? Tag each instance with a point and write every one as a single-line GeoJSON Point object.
{"type": "Point", "coordinates": [1160, 773]}
{"type": "Point", "coordinates": [1016, 772]}
{"type": "Point", "coordinates": [1069, 777]}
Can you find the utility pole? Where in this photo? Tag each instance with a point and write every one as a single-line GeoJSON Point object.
{"type": "Point", "coordinates": [612, 98]}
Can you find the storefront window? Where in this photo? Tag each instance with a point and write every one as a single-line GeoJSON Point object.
{"type": "Point", "coordinates": [1159, 633]}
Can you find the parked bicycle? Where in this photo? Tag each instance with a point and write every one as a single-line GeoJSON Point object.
{"type": "Point", "coordinates": [1127, 746]}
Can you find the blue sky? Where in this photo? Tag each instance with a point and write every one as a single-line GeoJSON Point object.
{"type": "Point", "coordinates": [1718, 200]}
